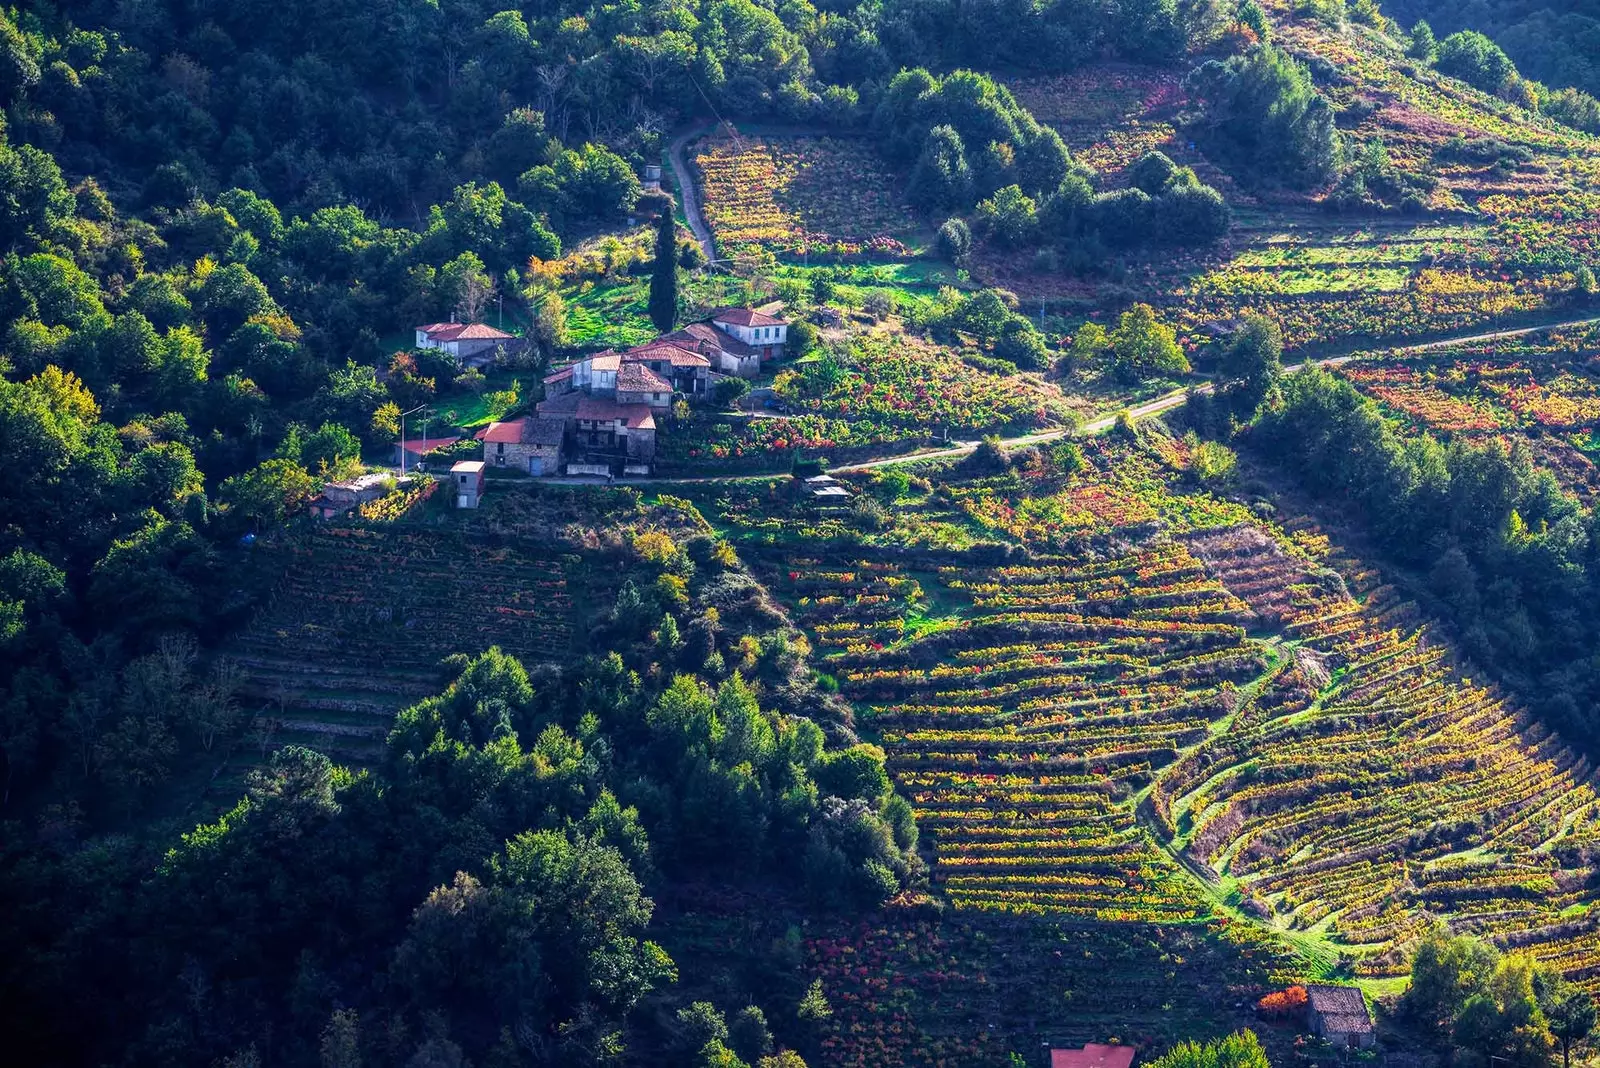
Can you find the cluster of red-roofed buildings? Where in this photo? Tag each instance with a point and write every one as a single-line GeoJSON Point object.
{"type": "Point", "coordinates": [602, 412]}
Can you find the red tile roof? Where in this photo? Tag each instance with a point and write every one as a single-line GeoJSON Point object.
{"type": "Point", "coordinates": [679, 355]}
{"type": "Point", "coordinates": [605, 361]}
{"type": "Point", "coordinates": [637, 378]}
{"type": "Point", "coordinates": [1093, 1055]}
{"type": "Point", "coordinates": [705, 333]}
{"type": "Point", "coordinates": [563, 375]}
{"type": "Point", "coordinates": [747, 317]}
{"type": "Point", "coordinates": [481, 332]}
{"type": "Point", "coordinates": [422, 445]}
{"type": "Point", "coordinates": [599, 410]}
{"type": "Point", "coordinates": [441, 332]}
{"type": "Point", "coordinates": [509, 432]}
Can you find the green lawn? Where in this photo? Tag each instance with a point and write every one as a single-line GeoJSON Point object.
{"type": "Point", "coordinates": [470, 410]}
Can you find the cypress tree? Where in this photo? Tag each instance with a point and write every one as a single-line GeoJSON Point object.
{"type": "Point", "coordinates": [664, 276]}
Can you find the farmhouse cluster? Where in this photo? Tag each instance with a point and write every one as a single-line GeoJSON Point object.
{"type": "Point", "coordinates": [601, 413]}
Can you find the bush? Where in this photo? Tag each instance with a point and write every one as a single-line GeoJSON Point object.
{"type": "Point", "coordinates": [730, 389]}
{"type": "Point", "coordinates": [954, 241]}
{"type": "Point", "coordinates": [1151, 172]}
{"type": "Point", "coordinates": [1476, 60]}
{"type": "Point", "coordinates": [1010, 216]}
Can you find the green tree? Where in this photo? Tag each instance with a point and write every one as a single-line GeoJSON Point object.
{"type": "Point", "coordinates": [1476, 60]}
{"type": "Point", "coordinates": [1569, 1011]}
{"type": "Point", "coordinates": [1251, 363]}
{"type": "Point", "coordinates": [1143, 345]}
{"type": "Point", "coordinates": [269, 492]}
{"type": "Point", "coordinates": [942, 179]}
{"type": "Point", "coordinates": [1422, 45]}
{"type": "Point", "coordinates": [814, 1005]}
{"type": "Point", "coordinates": [1242, 1049]}
{"type": "Point", "coordinates": [955, 240]}
{"type": "Point", "coordinates": [664, 275]}
{"type": "Point", "coordinates": [1011, 217]}
{"type": "Point", "coordinates": [749, 1035]}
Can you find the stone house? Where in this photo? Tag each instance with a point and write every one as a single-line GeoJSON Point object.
{"type": "Point", "coordinates": [601, 431]}
{"type": "Point", "coordinates": [337, 498]}
{"type": "Point", "coordinates": [534, 444]}
{"type": "Point", "coordinates": [1339, 1015]}
{"type": "Point", "coordinates": [638, 384]}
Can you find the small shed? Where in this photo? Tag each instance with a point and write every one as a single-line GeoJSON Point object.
{"type": "Point", "coordinates": [1339, 1015]}
{"type": "Point", "coordinates": [468, 478]}
{"type": "Point", "coordinates": [1093, 1055]}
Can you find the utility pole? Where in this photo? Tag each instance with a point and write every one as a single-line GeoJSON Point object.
{"type": "Point", "coordinates": [403, 415]}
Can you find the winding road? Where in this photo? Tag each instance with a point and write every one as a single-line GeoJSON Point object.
{"type": "Point", "coordinates": [687, 192]}
{"type": "Point", "coordinates": [1172, 400]}
{"type": "Point", "coordinates": [1101, 424]}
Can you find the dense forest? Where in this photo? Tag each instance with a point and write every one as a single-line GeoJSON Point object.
{"type": "Point", "coordinates": [1556, 43]}
{"type": "Point", "coordinates": [484, 887]}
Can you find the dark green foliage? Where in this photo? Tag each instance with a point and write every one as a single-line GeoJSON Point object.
{"type": "Point", "coordinates": [967, 137]}
{"type": "Point", "coordinates": [941, 178]}
{"type": "Point", "coordinates": [1508, 555]}
{"type": "Point", "coordinates": [664, 273]}
{"type": "Point", "coordinates": [1020, 343]}
{"type": "Point", "coordinates": [1250, 364]}
{"type": "Point", "coordinates": [1009, 217]}
{"type": "Point", "coordinates": [1242, 1049]}
{"type": "Point", "coordinates": [1267, 117]}
{"type": "Point", "coordinates": [955, 240]}
{"type": "Point", "coordinates": [1472, 999]}
{"type": "Point", "coordinates": [1151, 172]}
{"type": "Point", "coordinates": [1476, 60]}
{"type": "Point", "coordinates": [1422, 45]}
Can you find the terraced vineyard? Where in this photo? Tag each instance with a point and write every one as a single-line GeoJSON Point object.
{"type": "Point", "coordinates": [825, 195]}
{"type": "Point", "coordinates": [1114, 700]}
{"type": "Point", "coordinates": [1540, 389]}
{"type": "Point", "coordinates": [361, 616]}
{"type": "Point", "coordinates": [1510, 214]}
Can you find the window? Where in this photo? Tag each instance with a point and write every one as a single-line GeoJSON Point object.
{"type": "Point", "coordinates": [499, 446]}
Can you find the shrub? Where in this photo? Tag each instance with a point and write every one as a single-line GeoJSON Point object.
{"type": "Point", "coordinates": [955, 240]}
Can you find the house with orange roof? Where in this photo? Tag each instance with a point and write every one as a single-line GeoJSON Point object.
{"type": "Point", "coordinates": [472, 343]}
{"type": "Point", "coordinates": [533, 443]}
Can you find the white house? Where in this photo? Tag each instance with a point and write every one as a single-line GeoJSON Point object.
{"type": "Point", "coordinates": [763, 332]}
{"type": "Point", "coordinates": [463, 341]}
{"type": "Point", "coordinates": [468, 477]}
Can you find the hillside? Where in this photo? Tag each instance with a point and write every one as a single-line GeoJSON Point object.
{"type": "Point", "coordinates": [1115, 698]}
{"type": "Point", "coordinates": [1192, 598]}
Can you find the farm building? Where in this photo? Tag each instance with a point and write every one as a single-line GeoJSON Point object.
{"type": "Point", "coordinates": [532, 443]}
{"type": "Point", "coordinates": [602, 432]}
{"type": "Point", "coordinates": [337, 498]}
{"type": "Point", "coordinates": [467, 342]}
{"type": "Point", "coordinates": [468, 478]}
{"type": "Point", "coordinates": [1339, 1015]}
{"type": "Point", "coordinates": [1093, 1055]}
